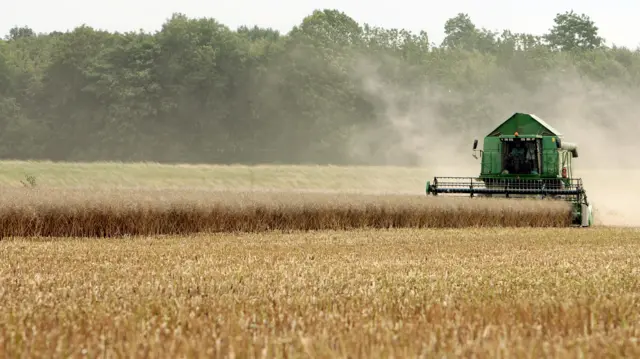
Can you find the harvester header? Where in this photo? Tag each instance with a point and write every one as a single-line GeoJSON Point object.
{"type": "Point", "coordinates": [523, 157]}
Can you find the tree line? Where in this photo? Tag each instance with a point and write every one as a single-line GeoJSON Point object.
{"type": "Point", "coordinates": [331, 90]}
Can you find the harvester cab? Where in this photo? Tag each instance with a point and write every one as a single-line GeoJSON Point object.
{"type": "Point", "coordinates": [523, 157]}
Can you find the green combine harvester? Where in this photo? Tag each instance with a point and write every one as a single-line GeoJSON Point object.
{"type": "Point", "coordinates": [523, 157]}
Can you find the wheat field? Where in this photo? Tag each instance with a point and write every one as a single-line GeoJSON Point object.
{"type": "Point", "coordinates": [349, 262]}
{"type": "Point", "coordinates": [433, 293]}
{"type": "Point", "coordinates": [107, 204]}
{"type": "Point", "coordinates": [614, 204]}
{"type": "Point", "coordinates": [107, 213]}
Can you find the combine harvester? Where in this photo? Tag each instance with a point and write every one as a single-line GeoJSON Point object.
{"type": "Point", "coordinates": [523, 157]}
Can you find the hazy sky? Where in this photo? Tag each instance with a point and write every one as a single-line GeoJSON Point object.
{"type": "Point", "coordinates": [617, 19]}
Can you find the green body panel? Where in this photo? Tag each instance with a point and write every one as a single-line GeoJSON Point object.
{"type": "Point", "coordinates": [550, 158]}
{"type": "Point", "coordinates": [491, 161]}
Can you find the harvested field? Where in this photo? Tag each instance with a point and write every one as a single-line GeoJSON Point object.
{"type": "Point", "coordinates": [483, 293]}
{"type": "Point", "coordinates": [109, 175]}
{"type": "Point", "coordinates": [106, 213]}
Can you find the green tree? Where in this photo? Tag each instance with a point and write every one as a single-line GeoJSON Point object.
{"type": "Point", "coordinates": [462, 33]}
{"type": "Point", "coordinates": [329, 91]}
{"type": "Point", "coordinates": [573, 31]}
{"type": "Point", "coordinates": [19, 32]}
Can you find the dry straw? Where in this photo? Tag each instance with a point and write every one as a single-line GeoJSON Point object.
{"type": "Point", "coordinates": [106, 213]}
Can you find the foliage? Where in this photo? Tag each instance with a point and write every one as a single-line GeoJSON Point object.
{"type": "Point", "coordinates": [572, 31]}
{"type": "Point", "coordinates": [329, 91]}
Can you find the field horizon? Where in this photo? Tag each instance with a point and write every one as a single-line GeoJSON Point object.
{"type": "Point", "coordinates": [613, 204]}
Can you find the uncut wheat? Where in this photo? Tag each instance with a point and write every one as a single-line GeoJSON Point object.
{"type": "Point", "coordinates": [103, 213]}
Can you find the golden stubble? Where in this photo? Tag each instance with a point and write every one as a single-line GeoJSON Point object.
{"type": "Point", "coordinates": [105, 213]}
{"type": "Point", "coordinates": [525, 293]}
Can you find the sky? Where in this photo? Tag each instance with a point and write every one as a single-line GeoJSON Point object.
{"type": "Point", "coordinates": [617, 19]}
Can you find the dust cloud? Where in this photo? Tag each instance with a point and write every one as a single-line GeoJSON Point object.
{"type": "Point", "coordinates": [603, 121]}
{"type": "Point", "coordinates": [410, 132]}
{"type": "Point", "coordinates": [602, 118]}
